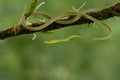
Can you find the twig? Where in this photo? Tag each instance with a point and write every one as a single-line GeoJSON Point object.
{"type": "Point", "coordinates": [32, 8]}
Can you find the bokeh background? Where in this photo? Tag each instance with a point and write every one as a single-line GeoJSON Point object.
{"type": "Point", "coordinates": [22, 58]}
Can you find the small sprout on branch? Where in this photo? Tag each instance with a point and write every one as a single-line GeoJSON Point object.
{"type": "Point", "coordinates": [77, 10]}
{"type": "Point", "coordinates": [42, 3]}
{"type": "Point", "coordinates": [34, 36]}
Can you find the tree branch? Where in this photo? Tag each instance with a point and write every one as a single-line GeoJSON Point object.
{"type": "Point", "coordinates": [101, 15]}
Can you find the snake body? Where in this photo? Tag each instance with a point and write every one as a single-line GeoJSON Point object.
{"type": "Point", "coordinates": [51, 20]}
{"type": "Point", "coordinates": [58, 19]}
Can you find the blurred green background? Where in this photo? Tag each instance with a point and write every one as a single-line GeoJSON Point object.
{"type": "Point", "coordinates": [22, 58]}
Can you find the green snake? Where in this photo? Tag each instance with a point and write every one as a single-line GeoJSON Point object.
{"type": "Point", "coordinates": [58, 19]}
